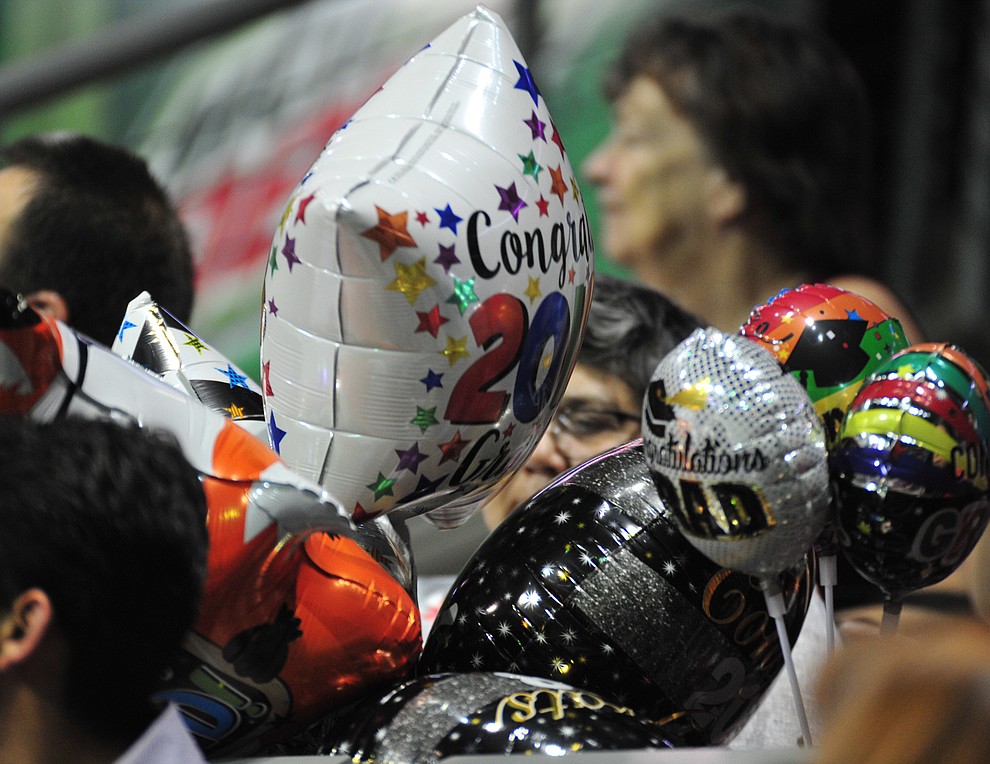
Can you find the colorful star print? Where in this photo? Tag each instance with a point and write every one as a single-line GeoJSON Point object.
{"type": "Point", "coordinates": [530, 165]}
{"type": "Point", "coordinates": [285, 214]}
{"type": "Point", "coordinates": [410, 458]}
{"type": "Point", "coordinates": [463, 294]}
{"type": "Point", "coordinates": [446, 259]}
{"type": "Point", "coordinates": [289, 251]}
{"type": "Point", "coordinates": [533, 289]}
{"type": "Point", "coordinates": [556, 138]}
{"type": "Point", "coordinates": [537, 126]}
{"type": "Point", "coordinates": [425, 487]}
{"type": "Point", "coordinates": [422, 218]}
{"type": "Point", "coordinates": [448, 219]}
{"type": "Point", "coordinates": [424, 418]}
{"type": "Point", "coordinates": [266, 369]}
{"type": "Point", "coordinates": [510, 201]}
{"type": "Point", "coordinates": [272, 307]}
{"type": "Point", "coordinates": [525, 82]}
{"type": "Point", "coordinates": [390, 233]}
{"type": "Point", "coordinates": [303, 204]}
{"type": "Point", "coordinates": [275, 434]}
{"type": "Point", "coordinates": [557, 185]}
{"type": "Point", "coordinates": [432, 380]}
{"type": "Point", "coordinates": [455, 350]}
{"type": "Point", "coordinates": [236, 379]}
{"type": "Point", "coordinates": [451, 450]}
{"type": "Point", "coordinates": [431, 320]}
{"type": "Point", "coordinates": [194, 342]}
{"type": "Point", "coordinates": [273, 259]}
{"type": "Point", "coordinates": [124, 326]}
{"type": "Point", "coordinates": [411, 279]}
{"type": "Point", "coordinates": [543, 206]}
{"type": "Point", "coordinates": [575, 191]}
{"type": "Point", "coordinates": [382, 486]}
{"type": "Point", "coordinates": [235, 411]}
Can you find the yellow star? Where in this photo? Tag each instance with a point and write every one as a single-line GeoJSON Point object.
{"type": "Point", "coordinates": [574, 188]}
{"type": "Point", "coordinates": [455, 350]}
{"type": "Point", "coordinates": [693, 397]}
{"type": "Point", "coordinates": [905, 371]}
{"type": "Point", "coordinates": [533, 290]}
{"type": "Point", "coordinates": [235, 411]}
{"type": "Point", "coordinates": [411, 280]}
{"type": "Point", "coordinates": [285, 214]}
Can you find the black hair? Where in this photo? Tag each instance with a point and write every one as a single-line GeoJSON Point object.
{"type": "Point", "coordinates": [98, 229]}
{"type": "Point", "coordinates": [786, 115]}
{"type": "Point", "coordinates": [109, 520]}
{"type": "Point", "coordinates": [630, 328]}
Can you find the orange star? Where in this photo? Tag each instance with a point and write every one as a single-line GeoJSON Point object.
{"type": "Point", "coordinates": [390, 233]}
{"type": "Point", "coordinates": [558, 186]}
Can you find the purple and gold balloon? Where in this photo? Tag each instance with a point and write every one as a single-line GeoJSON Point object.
{"type": "Point", "coordinates": [737, 452]}
{"type": "Point", "coordinates": [910, 468]}
{"type": "Point", "coordinates": [427, 285]}
{"type": "Point", "coordinates": [591, 583]}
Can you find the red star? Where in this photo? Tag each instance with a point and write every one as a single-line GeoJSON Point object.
{"type": "Point", "coordinates": [390, 233]}
{"type": "Point", "coordinates": [265, 371]}
{"type": "Point", "coordinates": [303, 204]}
{"type": "Point", "coordinates": [556, 137]}
{"type": "Point", "coordinates": [430, 321]}
{"type": "Point", "coordinates": [452, 448]}
{"type": "Point", "coordinates": [422, 218]}
{"type": "Point", "coordinates": [509, 429]}
{"type": "Point", "coordinates": [571, 275]}
{"type": "Point", "coordinates": [558, 186]}
{"type": "Point", "coordinates": [544, 207]}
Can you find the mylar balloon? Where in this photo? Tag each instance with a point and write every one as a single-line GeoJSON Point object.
{"type": "Point", "coordinates": [737, 451]}
{"type": "Point", "coordinates": [153, 337]}
{"type": "Point", "coordinates": [910, 468]}
{"type": "Point", "coordinates": [591, 583]}
{"type": "Point", "coordinates": [829, 339]}
{"type": "Point", "coordinates": [296, 619]}
{"type": "Point", "coordinates": [440, 715]}
{"type": "Point", "coordinates": [427, 284]}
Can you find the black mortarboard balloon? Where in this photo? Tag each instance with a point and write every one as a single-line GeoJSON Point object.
{"type": "Point", "coordinates": [592, 584]}
{"type": "Point", "coordinates": [436, 716]}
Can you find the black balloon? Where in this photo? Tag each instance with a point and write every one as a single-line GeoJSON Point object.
{"type": "Point", "coordinates": [590, 583]}
{"type": "Point", "coordinates": [440, 715]}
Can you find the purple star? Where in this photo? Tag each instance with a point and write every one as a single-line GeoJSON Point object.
{"type": "Point", "coordinates": [537, 126]}
{"type": "Point", "coordinates": [510, 201]}
{"type": "Point", "coordinates": [272, 307]}
{"type": "Point", "coordinates": [275, 435]}
{"type": "Point", "coordinates": [431, 380]}
{"type": "Point", "coordinates": [448, 219]}
{"type": "Point", "coordinates": [289, 250]}
{"type": "Point", "coordinates": [447, 258]}
{"type": "Point", "coordinates": [410, 459]}
{"type": "Point", "coordinates": [525, 82]}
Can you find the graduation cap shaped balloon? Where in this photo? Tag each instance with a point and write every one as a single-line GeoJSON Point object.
{"type": "Point", "coordinates": [426, 287]}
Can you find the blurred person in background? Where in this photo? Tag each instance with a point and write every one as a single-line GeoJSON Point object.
{"type": "Point", "coordinates": [85, 228]}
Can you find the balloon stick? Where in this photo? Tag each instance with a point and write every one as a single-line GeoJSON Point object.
{"type": "Point", "coordinates": [827, 577]}
{"type": "Point", "coordinates": [775, 606]}
{"type": "Point", "coordinates": [891, 617]}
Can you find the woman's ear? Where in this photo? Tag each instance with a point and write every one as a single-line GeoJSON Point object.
{"type": "Point", "coordinates": [726, 199]}
{"type": "Point", "coordinates": [49, 302]}
{"type": "Point", "coordinates": [23, 627]}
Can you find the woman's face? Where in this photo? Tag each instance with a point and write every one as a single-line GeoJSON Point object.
{"type": "Point", "coordinates": [592, 398]}
{"type": "Point", "coordinates": [653, 175]}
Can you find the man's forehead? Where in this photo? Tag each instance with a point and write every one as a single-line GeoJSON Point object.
{"type": "Point", "coordinates": [17, 185]}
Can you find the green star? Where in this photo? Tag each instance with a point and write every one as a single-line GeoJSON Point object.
{"type": "Point", "coordinates": [382, 486]}
{"type": "Point", "coordinates": [195, 343]}
{"type": "Point", "coordinates": [530, 166]}
{"type": "Point", "coordinates": [272, 262]}
{"type": "Point", "coordinates": [463, 294]}
{"type": "Point", "coordinates": [424, 418]}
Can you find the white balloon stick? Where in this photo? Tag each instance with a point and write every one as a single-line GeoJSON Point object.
{"type": "Point", "coordinates": [775, 606]}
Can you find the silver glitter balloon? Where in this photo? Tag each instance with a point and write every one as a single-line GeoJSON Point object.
{"type": "Point", "coordinates": [737, 451]}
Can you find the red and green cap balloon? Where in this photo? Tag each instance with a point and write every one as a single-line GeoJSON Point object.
{"type": "Point", "coordinates": [427, 284]}
{"type": "Point", "coordinates": [910, 468]}
{"type": "Point", "coordinates": [830, 339]}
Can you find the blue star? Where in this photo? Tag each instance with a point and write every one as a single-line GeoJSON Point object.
{"type": "Point", "coordinates": [425, 487]}
{"type": "Point", "coordinates": [236, 379]}
{"type": "Point", "coordinates": [448, 219]}
{"type": "Point", "coordinates": [853, 315]}
{"type": "Point", "coordinates": [123, 328]}
{"type": "Point", "coordinates": [275, 435]}
{"type": "Point", "coordinates": [525, 82]}
{"type": "Point", "coordinates": [431, 380]}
